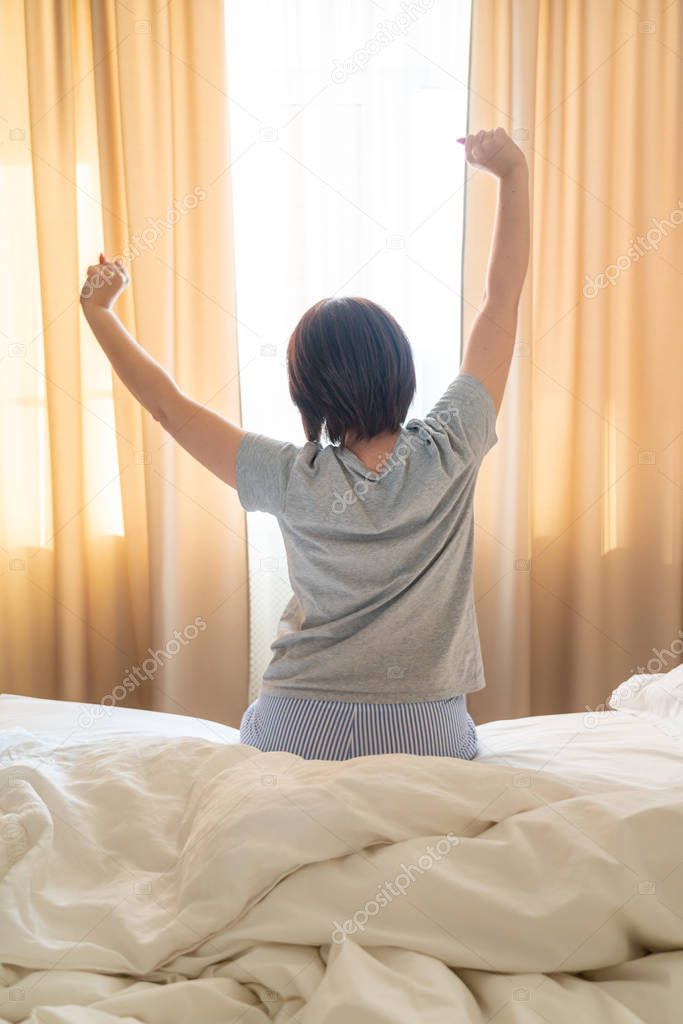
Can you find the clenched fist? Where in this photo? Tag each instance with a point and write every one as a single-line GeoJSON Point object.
{"type": "Point", "coordinates": [494, 151]}
{"type": "Point", "coordinates": [104, 283]}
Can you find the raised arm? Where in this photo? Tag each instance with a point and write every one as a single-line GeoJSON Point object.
{"type": "Point", "coordinates": [489, 348]}
{"type": "Point", "coordinates": [210, 438]}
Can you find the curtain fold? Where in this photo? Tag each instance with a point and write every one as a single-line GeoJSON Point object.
{"type": "Point", "coordinates": [124, 562]}
{"type": "Point", "coordinates": [578, 569]}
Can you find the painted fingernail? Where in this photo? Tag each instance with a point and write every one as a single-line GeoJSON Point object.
{"type": "Point", "coordinates": [462, 141]}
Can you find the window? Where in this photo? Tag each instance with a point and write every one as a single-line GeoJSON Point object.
{"type": "Point", "coordinates": [347, 179]}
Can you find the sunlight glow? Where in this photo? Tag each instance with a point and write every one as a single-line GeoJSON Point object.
{"type": "Point", "coordinates": [347, 179]}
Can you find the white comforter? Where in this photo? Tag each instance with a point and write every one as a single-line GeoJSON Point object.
{"type": "Point", "coordinates": [171, 880]}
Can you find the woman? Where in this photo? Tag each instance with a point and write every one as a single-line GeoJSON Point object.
{"type": "Point", "coordinates": [378, 647]}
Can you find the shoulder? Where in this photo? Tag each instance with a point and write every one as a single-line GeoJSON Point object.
{"type": "Point", "coordinates": [465, 418]}
{"type": "Point", "coordinates": [265, 467]}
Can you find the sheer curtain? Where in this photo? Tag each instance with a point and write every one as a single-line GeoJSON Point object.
{"type": "Point", "coordinates": [347, 179]}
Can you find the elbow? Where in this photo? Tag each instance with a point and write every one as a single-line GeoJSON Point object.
{"type": "Point", "coordinates": [502, 314]}
{"type": "Point", "coordinates": [501, 306]}
{"type": "Point", "coordinates": [503, 298]}
{"type": "Point", "coordinates": [504, 291]}
{"type": "Point", "coordinates": [161, 416]}
{"type": "Point", "coordinates": [165, 409]}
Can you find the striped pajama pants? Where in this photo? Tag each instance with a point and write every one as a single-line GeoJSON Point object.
{"type": "Point", "coordinates": [334, 730]}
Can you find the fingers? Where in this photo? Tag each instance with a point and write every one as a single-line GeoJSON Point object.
{"type": "Point", "coordinates": [101, 272]}
{"type": "Point", "coordinates": [111, 276]}
{"type": "Point", "coordinates": [486, 135]}
{"type": "Point", "coordinates": [124, 272]}
{"type": "Point", "coordinates": [473, 144]}
{"type": "Point", "coordinates": [482, 145]}
{"type": "Point", "coordinates": [108, 270]}
{"type": "Point", "coordinates": [496, 137]}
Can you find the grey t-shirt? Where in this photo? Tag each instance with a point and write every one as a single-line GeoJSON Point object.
{"type": "Point", "coordinates": [380, 562]}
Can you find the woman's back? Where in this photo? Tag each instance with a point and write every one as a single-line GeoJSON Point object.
{"type": "Point", "coordinates": [380, 562]}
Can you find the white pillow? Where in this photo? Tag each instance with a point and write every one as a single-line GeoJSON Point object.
{"type": "Point", "coordinates": [660, 694]}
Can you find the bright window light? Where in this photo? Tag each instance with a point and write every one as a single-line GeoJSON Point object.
{"type": "Point", "coordinates": [347, 180]}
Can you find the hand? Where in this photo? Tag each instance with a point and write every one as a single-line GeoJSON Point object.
{"type": "Point", "coordinates": [104, 283]}
{"type": "Point", "coordinates": [495, 152]}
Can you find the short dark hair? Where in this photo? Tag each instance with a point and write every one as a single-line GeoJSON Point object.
{"type": "Point", "coordinates": [350, 370]}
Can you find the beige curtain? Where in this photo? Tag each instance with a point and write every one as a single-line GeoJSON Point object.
{"type": "Point", "coordinates": [579, 577]}
{"type": "Point", "coordinates": [123, 570]}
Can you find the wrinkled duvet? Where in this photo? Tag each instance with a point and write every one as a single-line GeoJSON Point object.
{"type": "Point", "coordinates": [151, 879]}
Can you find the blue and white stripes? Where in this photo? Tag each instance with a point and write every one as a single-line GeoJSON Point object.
{"type": "Point", "coordinates": [334, 730]}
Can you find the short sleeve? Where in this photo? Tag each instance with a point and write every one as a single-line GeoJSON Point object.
{"type": "Point", "coordinates": [263, 470]}
{"type": "Point", "coordinates": [466, 413]}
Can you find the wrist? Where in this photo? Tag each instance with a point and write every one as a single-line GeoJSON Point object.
{"type": "Point", "coordinates": [519, 172]}
{"type": "Point", "coordinates": [90, 306]}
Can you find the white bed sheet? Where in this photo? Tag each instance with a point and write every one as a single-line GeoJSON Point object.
{"type": "Point", "coordinates": [638, 749]}
{"type": "Point", "coordinates": [61, 719]}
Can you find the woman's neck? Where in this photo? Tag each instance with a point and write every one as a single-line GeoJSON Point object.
{"type": "Point", "coordinates": [374, 451]}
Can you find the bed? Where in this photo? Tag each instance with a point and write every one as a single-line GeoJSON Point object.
{"type": "Point", "coordinates": [153, 869]}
